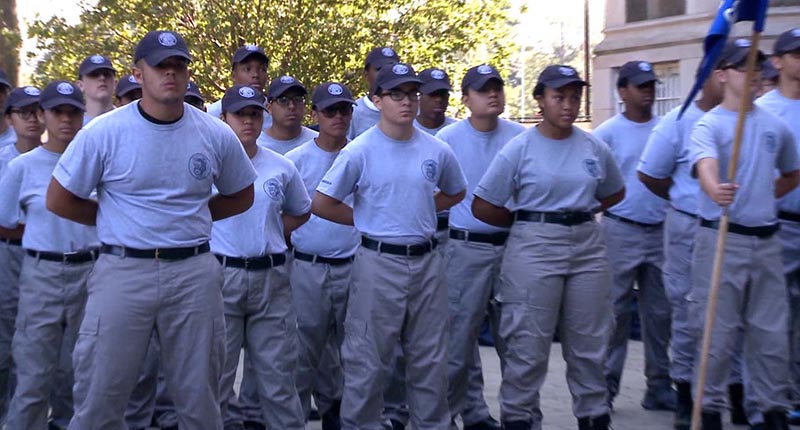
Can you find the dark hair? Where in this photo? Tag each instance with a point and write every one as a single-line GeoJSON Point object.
{"type": "Point", "coordinates": [538, 90]}
{"type": "Point", "coordinates": [622, 82]}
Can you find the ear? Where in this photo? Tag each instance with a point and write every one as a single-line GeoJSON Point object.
{"type": "Point", "coordinates": [40, 115]}
{"type": "Point", "coordinates": [137, 74]}
{"type": "Point", "coordinates": [720, 74]}
{"type": "Point", "coordinates": [314, 116]}
{"type": "Point", "coordinates": [777, 62]}
{"type": "Point", "coordinates": [79, 84]}
{"type": "Point", "coordinates": [377, 100]}
{"type": "Point", "coordinates": [269, 108]}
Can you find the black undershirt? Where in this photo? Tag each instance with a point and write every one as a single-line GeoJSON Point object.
{"type": "Point", "coordinates": [154, 120]}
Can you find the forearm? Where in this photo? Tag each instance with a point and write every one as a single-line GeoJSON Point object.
{"type": "Point", "coordinates": [659, 187]}
{"type": "Point", "coordinates": [292, 223]}
{"type": "Point", "coordinates": [490, 214]}
{"type": "Point", "coordinates": [786, 183]}
{"type": "Point", "coordinates": [707, 171]}
{"type": "Point", "coordinates": [63, 203]}
{"type": "Point", "coordinates": [225, 206]}
{"type": "Point", "coordinates": [12, 233]}
{"type": "Point", "coordinates": [446, 201]}
{"type": "Point", "coordinates": [607, 202]}
{"type": "Point", "coordinates": [331, 209]}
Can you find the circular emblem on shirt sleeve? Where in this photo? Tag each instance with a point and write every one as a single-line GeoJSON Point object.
{"type": "Point", "coordinates": [32, 91]}
{"type": "Point", "coordinates": [387, 52]}
{"type": "Point", "coordinates": [273, 189]}
{"type": "Point", "coordinates": [770, 142]}
{"type": "Point", "coordinates": [591, 167]}
{"type": "Point", "coordinates": [65, 89]}
{"type": "Point", "coordinates": [400, 69]}
{"type": "Point", "coordinates": [167, 39]}
{"type": "Point", "coordinates": [430, 169]}
{"type": "Point", "coordinates": [199, 166]}
{"type": "Point", "coordinates": [335, 89]}
{"type": "Point", "coordinates": [287, 79]}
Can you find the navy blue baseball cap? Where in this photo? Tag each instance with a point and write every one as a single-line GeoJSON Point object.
{"type": "Point", "coordinates": [638, 72]}
{"type": "Point", "coordinates": [239, 97]}
{"type": "Point", "coordinates": [59, 93]}
{"type": "Point", "coordinates": [557, 76]}
{"type": "Point", "coordinates": [21, 97]}
{"type": "Point", "coordinates": [280, 85]}
{"type": "Point", "coordinates": [4, 78]}
{"type": "Point", "coordinates": [788, 41]}
{"type": "Point", "coordinates": [735, 54]}
{"type": "Point", "coordinates": [157, 46]}
{"type": "Point", "coordinates": [433, 80]}
{"type": "Point", "coordinates": [126, 84]}
{"type": "Point", "coordinates": [392, 77]}
{"type": "Point", "coordinates": [330, 93]}
{"type": "Point", "coordinates": [93, 63]}
{"type": "Point", "coordinates": [478, 76]}
{"type": "Point", "coordinates": [248, 51]}
{"type": "Point", "coordinates": [768, 71]}
{"type": "Point", "coordinates": [380, 57]}
{"type": "Point", "coordinates": [192, 90]}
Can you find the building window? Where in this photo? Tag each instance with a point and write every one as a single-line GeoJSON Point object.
{"type": "Point", "coordinates": [668, 91]}
{"type": "Point", "coordinates": [642, 10]}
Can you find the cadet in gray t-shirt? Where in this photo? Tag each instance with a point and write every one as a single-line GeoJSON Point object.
{"type": "Point", "coordinates": [396, 292]}
{"type": "Point", "coordinates": [286, 102]}
{"type": "Point", "coordinates": [546, 184]}
{"type": "Point", "coordinates": [53, 278]}
{"type": "Point", "coordinates": [153, 164]}
{"type": "Point", "coordinates": [249, 66]}
{"type": "Point", "coordinates": [97, 78]}
{"type": "Point", "coordinates": [21, 112]}
{"type": "Point", "coordinates": [752, 290]}
{"type": "Point", "coordinates": [365, 113]}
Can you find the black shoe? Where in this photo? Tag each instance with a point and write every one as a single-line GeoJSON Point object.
{"type": "Point", "coordinates": [254, 425]}
{"type": "Point", "coordinates": [330, 419]}
{"type": "Point", "coordinates": [659, 399]}
{"type": "Point", "coordinates": [601, 423]}
{"type": "Point", "coordinates": [683, 406]}
{"type": "Point", "coordinates": [736, 399]}
{"type": "Point", "coordinates": [488, 424]}
{"type": "Point", "coordinates": [397, 425]}
{"type": "Point", "coordinates": [712, 421]}
{"type": "Point", "coordinates": [313, 415]}
{"type": "Point", "coordinates": [776, 419]}
{"type": "Point", "coordinates": [516, 425]}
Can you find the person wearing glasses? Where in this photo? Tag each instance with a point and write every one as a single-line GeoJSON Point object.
{"type": "Point", "coordinates": [397, 293]}
{"type": "Point", "coordinates": [21, 113]}
{"type": "Point", "coordinates": [286, 103]}
{"type": "Point", "coordinates": [546, 184]}
{"type": "Point", "coordinates": [323, 258]}
{"type": "Point", "coordinates": [59, 255]}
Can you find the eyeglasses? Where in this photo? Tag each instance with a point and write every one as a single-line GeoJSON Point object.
{"type": "Point", "coordinates": [24, 114]}
{"type": "Point", "coordinates": [343, 109]}
{"type": "Point", "coordinates": [285, 100]}
{"type": "Point", "coordinates": [399, 95]}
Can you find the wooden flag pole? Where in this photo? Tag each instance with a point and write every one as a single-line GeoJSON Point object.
{"type": "Point", "coordinates": [713, 294]}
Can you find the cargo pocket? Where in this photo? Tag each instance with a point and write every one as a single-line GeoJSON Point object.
{"type": "Point", "coordinates": [83, 356]}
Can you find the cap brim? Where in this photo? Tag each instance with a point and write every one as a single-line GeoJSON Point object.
{"type": "Point", "coordinates": [792, 46]}
{"type": "Point", "coordinates": [432, 87]}
{"type": "Point", "coordinates": [157, 57]}
{"type": "Point", "coordinates": [5, 82]}
{"type": "Point", "coordinates": [643, 79]}
{"type": "Point", "coordinates": [332, 101]}
{"type": "Point", "coordinates": [249, 54]}
{"type": "Point", "coordinates": [483, 80]}
{"type": "Point", "coordinates": [128, 89]}
{"type": "Point", "coordinates": [21, 103]}
{"type": "Point", "coordinates": [562, 82]}
{"type": "Point", "coordinates": [741, 57]}
{"type": "Point", "coordinates": [399, 81]}
{"type": "Point", "coordinates": [95, 67]}
{"type": "Point", "coordinates": [195, 95]}
{"type": "Point", "coordinates": [379, 64]}
{"type": "Point", "coordinates": [283, 90]}
{"type": "Point", "coordinates": [237, 106]}
{"type": "Point", "coordinates": [60, 101]}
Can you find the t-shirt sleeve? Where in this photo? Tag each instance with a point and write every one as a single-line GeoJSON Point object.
{"type": "Point", "coordinates": [452, 180]}
{"type": "Point", "coordinates": [788, 157]}
{"type": "Point", "coordinates": [10, 185]}
{"type": "Point", "coordinates": [612, 183]}
{"type": "Point", "coordinates": [702, 144]}
{"type": "Point", "coordinates": [342, 178]}
{"type": "Point", "coordinates": [80, 168]}
{"type": "Point", "coordinates": [661, 150]}
{"type": "Point", "coordinates": [297, 201]}
{"type": "Point", "coordinates": [603, 133]}
{"type": "Point", "coordinates": [236, 170]}
{"type": "Point", "coordinates": [499, 182]}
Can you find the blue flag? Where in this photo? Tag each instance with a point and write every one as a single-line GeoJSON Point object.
{"type": "Point", "coordinates": [730, 12]}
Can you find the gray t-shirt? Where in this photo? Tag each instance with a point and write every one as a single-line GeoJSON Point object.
{"type": "Point", "coordinates": [536, 173]}
{"type": "Point", "coordinates": [767, 144]}
{"type": "Point", "coordinates": [154, 180]}
{"type": "Point", "coordinates": [666, 155]}
{"type": "Point", "coordinates": [393, 183]}
{"type": "Point", "coordinates": [627, 140]}
{"type": "Point", "coordinates": [318, 235]}
{"type": "Point", "coordinates": [789, 111]}
{"type": "Point", "coordinates": [475, 150]}
{"type": "Point", "coordinates": [365, 116]}
{"type": "Point", "coordinates": [259, 230]}
{"type": "Point", "coordinates": [7, 153]}
{"type": "Point", "coordinates": [284, 146]}
{"type": "Point", "coordinates": [433, 131]}
{"type": "Point", "coordinates": [8, 137]}
{"type": "Point", "coordinates": [22, 196]}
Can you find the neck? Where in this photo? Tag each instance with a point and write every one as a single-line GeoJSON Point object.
{"type": "Point", "coordinates": [95, 108]}
{"type": "Point", "coordinates": [167, 112]}
{"type": "Point", "coordinates": [789, 88]}
{"type": "Point", "coordinates": [284, 133]}
{"type": "Point", "coordinates": [638, 115]}
{"type": "Point", "coordinates": [552, 132]}
{"type": "Point", "coordinates": [487, 123]}
{"type": "Point", "coordinates": [704, 104]}
{"type": "Point", "coordinates": [431, 121]}
{"type": "Point", "coordinates": [56, 146]}
{"type": "Point", "coordinates": [24, 145]}
{"type": "Point", "coordinates": [250, 148]}
{"type": "Point", "coordinates": [734, 103]}
{"type": "Point", "coordinates": [396, 131]}
{"type": "Point", "coordinates": [329, 143]}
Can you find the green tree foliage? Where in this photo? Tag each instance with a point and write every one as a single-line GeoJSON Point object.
{"type": "Point", "coordinates": [313, 40]}
{"type": "Point", "coordinates": [10, 39]}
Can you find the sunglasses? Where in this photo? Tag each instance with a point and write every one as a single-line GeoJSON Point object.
{"type": "Point", "coordinates": [345, 109]}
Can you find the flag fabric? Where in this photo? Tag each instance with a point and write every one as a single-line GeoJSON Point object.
{"type": "Point", "coordinates": [730, 12]}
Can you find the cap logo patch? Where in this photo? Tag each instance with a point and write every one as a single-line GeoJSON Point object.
{"type": "Point", "coordinates": [251, 47]}
{"type": "Point", "coordinates": [567, 71]}
{"type": "Point", "coordinates": [167, 39]}
{"type": "Point", "coordinates": [97, 59]}
{"type": "Point", "coordinates": [132, 80]}
{"type": "Point", "coordinates": [32, 91]}
{"type": "Point", "coordinates": [400, 69]}
{"type": "Point", "coordinates": [287, 79]}
{"type": "Point", "coordinates": [437, 74]}
{"type": "Point", "coordinates": [335, 90]}
{"type": "Point", "coordinates": [645, 67]}
{"type": "Point", "coordinates": [742, 43]}
{"type": "Point", "coordinates": [247, 92]}
{"type": "Point", "coordinates": [65, 89]}
{"type": "Point", "coordinates": [388, 52]}
{"type": "Point", "coordinates": [485, 70]}
{"type": "Point", "coordinates": [796, 32]}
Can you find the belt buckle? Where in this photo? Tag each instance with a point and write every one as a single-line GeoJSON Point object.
{"type": "Point", "coordinates": [66, 256]}
{"type": "Point", "coordinates": [246, 263]}
{"type": "Point", "coordinates": [564, 217]}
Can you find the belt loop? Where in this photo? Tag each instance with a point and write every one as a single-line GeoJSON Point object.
{"type": "Point", "coordinates": [466, 235]}
{"type": "Point", "coordinates": [380, 246]}
{"type": "Point", "coordinates": [196, 250]}
{"type": "Point", "coordinates": [224, 261]}
{"type": "Point", "coordinates": [408, 250]}
{"type": "Point", "coordinates": [271, 261]}
{"type": "Point", "coordinates": [124, 252]}
{"type": "Point", "coordinates": [38, 255]}
{"type": "Point", "coordinates": [314, 259]}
